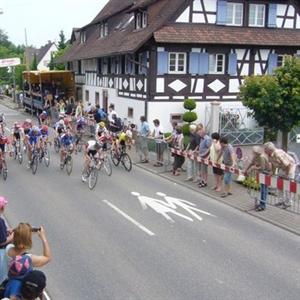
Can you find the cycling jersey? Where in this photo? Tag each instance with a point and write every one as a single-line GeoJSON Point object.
{"type": "Point", "coordinates": [60, 128]}
{"type": "Point", "coordinates": [92, 148]}
{"type": "Point", "coordinates": [3, 141]}
{"type": "Point", "coordinates": [34, 137]}
{"type": "Point", "coordinates": [44, 133]}
{"type": "Point", "coordinates": [43, 116]}
{"type": "Point", "coordinates": [17, 133]}
{"type": "Point", "coordinates": [66, 140]}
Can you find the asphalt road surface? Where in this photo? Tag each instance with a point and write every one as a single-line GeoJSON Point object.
{"type": "Point", "coordinates": [125, 241]}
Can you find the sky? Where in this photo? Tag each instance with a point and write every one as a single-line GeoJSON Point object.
{"type": "Point", "coordinates": [44, 19]}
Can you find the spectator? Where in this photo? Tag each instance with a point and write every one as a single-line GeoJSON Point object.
{"type": "Point", "coordinates": [204, 150]}
{"type": "Point", "coordinates": [88, 108]}
{"type": "Point", "coordinates": [115, 125]}
{"type": "Point", "coordinates": [143, 134]}
{"type": "Point", "coordinates": [285, 164]}
{"type": "Point", "coordinates": [159, 138]}
{"type": "Point", "coordinates": [260, 164]}
{"type": "Point", "coordinates": [229, 160]}
{"type": "Point", "coordinates": [22, 262]}
{"type": "Point", "coordinates": [178, 145]}
{"type": "Point", "coordinates": [215, 150]}
{"type": "Point", "coordinates": [62, 107]}
{"type": "Point", "coordinates": [170, 138]}
{"type": "Point", "coordinates": [111, 112]}
{"type": "Point", "coordinates": [78, 112]}
{"type": "Point", "coordinates": [192, 148]}
{"type": "Point", "coordinates": [33, 285]}
{"type": "Point", "coordinates": [6, 237]}
{"type": "Point", "coordinates": [69, 107]}
{"type": "Point", "coordinates": [102, 114]}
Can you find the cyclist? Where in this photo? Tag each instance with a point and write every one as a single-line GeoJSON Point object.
{"type": "Point", "coordinates": [27, 125]}
{"type": "Point", "coordinates": [43, 117]}
{"type": "Point", "coordinates": [16, 133]}
{"type": "Point", "coordinates": [79, 130]}
{"type": "Point", "coordinates": [91, 151]}
{"type": "Point", "coordinates": [2, 121]}
{"type": "Point", "coordinates": [33, 140]}
{"type": "Point", "coordinates": [66, 142]}
{"type": "Point", "coordinates": [44, 135]}
{"type": "Point", "coordinates": [3, 141]}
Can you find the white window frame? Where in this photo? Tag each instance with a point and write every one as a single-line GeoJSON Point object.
{"type": "Point", "coordinates": [215, 69]}
{"type": "Point", "coordinates": [176, 63]}
{"type": "Point", "coordinates": [138, 20]}
{"type": "Point", "coordinates": [233, 17]}
{"type": "Point", "coordinates": [82, 36]}
{"type": "Point", "coordinates": [144, 19]}
{"type": "Point", "coordinates": [256, 6]}
{"type": "Point", "coordinates": [103, 29]}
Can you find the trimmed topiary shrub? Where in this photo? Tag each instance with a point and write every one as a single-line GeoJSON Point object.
{"type": "Point", "coordinates": [186, 129]}
{"type": "Point", "coordinates": [189, 116]}
{"type": "Point", "coordinates": [189, 104]}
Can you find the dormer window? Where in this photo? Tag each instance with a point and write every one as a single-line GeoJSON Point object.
{"type": "Point", "coordinates": [257, 15]}
{"type": "Point", "coordinates": [103, 27]}
{"type": "Point", "coordinates": [82, 37]}
{"type": "Point", "coordinates": [141, 19]}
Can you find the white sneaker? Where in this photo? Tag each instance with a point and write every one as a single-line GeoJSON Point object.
{"type": "Point", "coordinates": [83, 178]}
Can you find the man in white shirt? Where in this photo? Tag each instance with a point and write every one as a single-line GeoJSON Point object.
{"type": "Point", "coordinates": [111, 112]}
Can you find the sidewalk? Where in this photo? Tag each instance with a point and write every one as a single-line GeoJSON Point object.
{"type": "Point", "coordinates": [240, 199]}
{"type": "Point", "coordinates": [8, 102]}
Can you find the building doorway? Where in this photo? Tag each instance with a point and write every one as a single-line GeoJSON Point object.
{"type": "Point", "coordinates": [97, 98]}
{"type": "Point", "coordinates": [105, 100]}
{"type": "Point", "coordinates": [79, 94]}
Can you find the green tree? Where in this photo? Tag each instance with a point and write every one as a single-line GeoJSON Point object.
{"type": "Point", "coordinates": [57, 55]}
{"type": "Point", "coordinates": [189, 116]}
{"type": "Point", "coordinates": [51, 63]}
{"type": "Point", "coordinates": [33, 66]}
{"type": "Point", "coordinates": [275, 100]}
{"type": "Point", "coordinates": [62, 41]}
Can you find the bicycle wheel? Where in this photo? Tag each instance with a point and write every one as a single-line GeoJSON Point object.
{"type": "Point", "coordinates": [84, 175]}
{"type": "Point", "coordinates": [20, 158]}
{"type": "Point", "coordinates": [93, 178]}
{"type": "Point", "coordinates": [15, 152]}
{"type": "Point", "coordinates": [126, 162]}
{"type": "Point", "coordinates": [114, 157]}
{"type": "Point", "coordinates": [34, 164]}
{"type": "Point", "coordinates": [46, 157]}
{"type": "Point", "coordinates": [4, 174]}
{"type": "Point", "coordinates": [69, 164]}
{"type": "Point", "coordinates": [79, 147]}
{"type": "Point", "coordinates": [107, 166]}
{"type": "Point", "coordinates": [56, 145]}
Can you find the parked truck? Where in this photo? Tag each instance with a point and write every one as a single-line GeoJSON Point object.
{"type": "Point", "coordinates": [42, 86]}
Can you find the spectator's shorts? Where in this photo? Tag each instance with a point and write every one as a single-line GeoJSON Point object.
{"type": "Point", "coordinates": [203, 168]}
{"type": "Point", "coordinates": [217, 171]}
{"type": "Point", "coordinates": [227, 178]}
{"type": "Point", "coordinates": [160, 146]}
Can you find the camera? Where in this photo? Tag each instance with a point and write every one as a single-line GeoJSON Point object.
{"type": "Point", "coordinates": [35, 229]}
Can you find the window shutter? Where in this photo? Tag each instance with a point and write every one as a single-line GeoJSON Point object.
{"type": "Point", "coordinates": [272, 15]}
{"type": "Point", "coordinates": [128, 65]}
{"type": "Point", "coordinates": [144, 62]}
{"type": "Point", "coordinates": [272, 63]}
{"type": "Point", "coordinates": [203, 63]}
{"type": "Point", "coordinates": [194, 63]}
{"type": "Point", "coordinates": [162, 62]}
{"type": "Point", "coordinates": [232, 64]}
{"type": "Point", "coordinates": [221, 12]}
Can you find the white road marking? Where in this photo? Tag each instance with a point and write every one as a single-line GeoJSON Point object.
{"type": "Point", "coordinates": [129, 218]}
{"type": "Point", "coordinates": [46, 296]}
{"type": "Point", "coordinates": [160, 207]}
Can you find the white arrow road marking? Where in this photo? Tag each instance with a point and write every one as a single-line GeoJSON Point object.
{"type": "Point", "coordinates": [129, 218]}
{"type": "Point", "coordinates": [160, 207]}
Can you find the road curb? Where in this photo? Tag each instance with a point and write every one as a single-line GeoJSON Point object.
{"type": "Point", "coordinates": [250, 212]}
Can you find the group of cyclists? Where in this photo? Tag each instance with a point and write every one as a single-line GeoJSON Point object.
{"type": "Point", "coordinates": [68, 137]}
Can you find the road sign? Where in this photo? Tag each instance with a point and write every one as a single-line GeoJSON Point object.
{"type": "Point", "coordinates": [298, 138]}
{"type": "Point", "coordinates": [10, 62]}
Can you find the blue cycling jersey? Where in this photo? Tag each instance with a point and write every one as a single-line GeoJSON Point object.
{"type": "Point", "coordinates": [34, 136]}
{"type": "Point", "coordinates": [66, 140]}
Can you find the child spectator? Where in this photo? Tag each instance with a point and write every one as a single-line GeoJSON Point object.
{"type": "Point", "coordinates": [215, 157]}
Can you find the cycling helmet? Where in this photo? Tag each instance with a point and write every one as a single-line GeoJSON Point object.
{"type": "Point", "coordinates": [17, 125]}
{"type": "Point", "coordinates": [44, 112]}
{"type": "Point", "coordinates": [101, 124]}
{"type": "Point", "coordinates": [3, 202]}
{"type": "Point", "coordinates": [35, 129]}
{"type": "Point", "coordinates": [28, 121]}
{"type": "Point", "coordinates": [61, 116]}
{"type": "Point", "coordinates": [61, 122]}
{"type": "Point", "coordinates": [44, 128]}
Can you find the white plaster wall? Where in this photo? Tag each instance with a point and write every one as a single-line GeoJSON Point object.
{"type": "Point", "coordinates": [46, 59]}
{"type": "Point", "coordinates": [121, 104]}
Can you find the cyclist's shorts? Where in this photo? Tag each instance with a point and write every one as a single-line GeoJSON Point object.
{"type": "Point", "coordinates": [2, 147]}
{"type": "Point", "coordinates": [33, 140]}
{"type": "Point", "coordinates": [17, 135]}
{"type": "Point", "coordinates": [26, 130]}
{"type": "Point", "coordinates": [92, 152]}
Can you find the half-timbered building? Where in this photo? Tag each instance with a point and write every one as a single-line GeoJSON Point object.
{"type": "Point", "coordinates": [147, 56]}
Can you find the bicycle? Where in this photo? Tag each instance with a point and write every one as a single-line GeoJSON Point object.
{"type": "Point", "coordinates": [17, 151]}
{"type": "Point", "coordinates": [119, 155]}
{"type": "Point", "coordinates": [91, 174]}
{"type": "Point", "coordinates": [45, 155]}
{"type": "Point", "coordinates": [78, 140]}
{"type": "Point", "coordinates": [34, 160]}
{"type": "Point", "coordinates": [3, 166]}
{"type": "Point", "coordinates": [67, 161]}
{"type": "Point", "coordinates": [105, 162]}
{"type": "Point", "coordinates": [56, 143]}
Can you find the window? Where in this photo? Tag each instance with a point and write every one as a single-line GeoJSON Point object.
{"type": "Point", "coordinates": [234, 14]}
{"type": "Point", "coordinates": [280, 60]}
{"type": "Point", "coordinates": [97, 98]}
{"type": "Point", "coordinates": [177, 63]}
{"type": "Point", "coordinates": [176, 118]}
{"type": "Point", "coordinates": [79, 67]}
{"type": "Point", "coordinates": [103, 27]}
{"type": "Point", "coordinates": [82, 37]}
{"type": "Point", "coordinates": [257, 15]}
{"type": "Point", "coordinates": [141, 19]}
{"type": "Point", "coordinates": [216, 63]}
{"type": "Point", "coordinates": [130, 112]}
{"type": "Point", "coordinates": [87, 96]}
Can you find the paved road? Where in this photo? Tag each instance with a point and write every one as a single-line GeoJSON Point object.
{"type": "Point", "coordinates": [107, 246]}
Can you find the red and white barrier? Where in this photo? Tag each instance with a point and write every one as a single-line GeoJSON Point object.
{"type": "Point", "coordinates": [271, 181]}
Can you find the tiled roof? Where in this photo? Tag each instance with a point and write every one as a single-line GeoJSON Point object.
{"type": "Point", "coordinates": [119, 41]}
{"type": "Point", "coordinates": [215, 34]}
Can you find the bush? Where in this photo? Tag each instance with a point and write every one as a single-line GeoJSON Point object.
{"type": "Point", "coordinates": [186, 129]}
{"type": "Point", "coordinates": [189, 104]}
{"type": "Point", "coordinates": [250, 182]}
{"type": "Point", "coordinates": [189, 116]}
